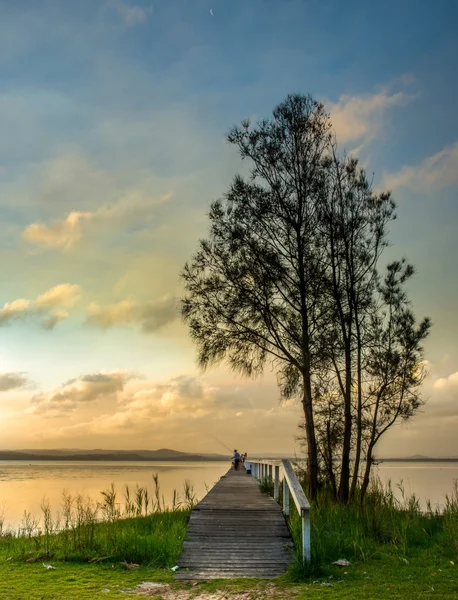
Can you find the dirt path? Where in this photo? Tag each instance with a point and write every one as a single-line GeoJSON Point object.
{"type": "Point", "coordinates": [166, 592]}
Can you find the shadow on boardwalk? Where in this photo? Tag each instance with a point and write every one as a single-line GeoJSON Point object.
{"type": "Point", "coordinates": [236, 531]}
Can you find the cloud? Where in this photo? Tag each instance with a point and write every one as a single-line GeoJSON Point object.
{"type": "Point", "coordinates": [63, 295]}
{"type": "Point", "coordinates": [14, 310]}
{"type": "Point", "coordinates": [130, 14]}
{"type": "Point", "coordinates": [446, 383]}
{"type": "Point", "coordinates": [64, 233]}
{"type": "Point", "coordinates": [84, 390]}
{"type": "Point", "coordinates": [47, 307]}
{"type": "Point", "coordinates": [12, 381]}
{"type": "Point", "coordinates": [169, 405]}
{"type": "Point", "coordinates": [54, 319]}
{"type": "Point", "coordinates": [437, 171]}
{"type": "Point", "coordinates": [151, 316]}
{"type": "Point", "coordinates": [356, 118]}
{"type": "Point", "coordinates": [133, 207]}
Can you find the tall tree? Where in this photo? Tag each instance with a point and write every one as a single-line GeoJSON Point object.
{"type": "Point", "coordinates": [289, 274]}
{"type": "Point", "coordinates": [253, 290]}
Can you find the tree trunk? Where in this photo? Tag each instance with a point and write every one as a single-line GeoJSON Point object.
{"type": "Point", "coordinates": [344, 487]}
{"type": "Point", "coordinates": [367, 472]}
{"type": "Point", "coordinates": [330, 466]}
{"type": "Point", "coordinates": [359, 414]}
{"type": "Point", "coordinates": [312, 454]}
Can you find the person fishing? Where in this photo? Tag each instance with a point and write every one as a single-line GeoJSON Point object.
{"type": "Point", "coordinates": [236, 459]}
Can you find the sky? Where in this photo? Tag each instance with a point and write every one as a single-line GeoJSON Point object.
{"type": "Point", "coordinates": [113, 117]}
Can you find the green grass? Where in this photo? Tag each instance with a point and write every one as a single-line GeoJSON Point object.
{"type": "Point", "coordinates": [381, 579]}
{"type": "Point", "coordinates": [154, 540]}
{"type": "Point", "coordinates": [19, 581]}
{"type": "Point", "coordinates": [378, 580]}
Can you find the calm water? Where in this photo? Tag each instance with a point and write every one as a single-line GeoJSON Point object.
{"type": "Point", "coordinates": [23, 485]}
{"type": "Point", "coordinates": [427, 480]}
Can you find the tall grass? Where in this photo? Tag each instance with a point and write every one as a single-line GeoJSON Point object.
{"type": "Point", "coordinates": [139, 528]}
{"type": "Point", "coordinates": [386, 524]}
{"type": "Point", "coordinates": [450, 530]}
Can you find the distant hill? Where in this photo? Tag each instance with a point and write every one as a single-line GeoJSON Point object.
{"type": "Point", "coordinates": [419, 458]}
{"type": "Point", "coordinates": [164, 454]}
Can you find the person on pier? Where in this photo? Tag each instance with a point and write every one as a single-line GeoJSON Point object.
{"type": "Point", "coordinates": [236, 460]}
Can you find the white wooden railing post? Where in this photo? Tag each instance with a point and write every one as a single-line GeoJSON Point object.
{"type": "Point", "coordinates": [285, 498]}
{"type": "Point", "coordinates": [306, 548]}
{"type": "Point", "coordinates": [277, 482]}
{"type": "Point", "coordinates": [290, 481]}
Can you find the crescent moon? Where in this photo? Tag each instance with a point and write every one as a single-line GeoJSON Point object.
{"type": "Point", "coordinates": [211, 12]}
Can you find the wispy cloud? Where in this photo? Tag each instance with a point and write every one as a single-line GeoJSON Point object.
{"type": "Point", "coordinates": [84, 390]}
{"type": "Point", "coordinates": [447, 383]}
{"type": "Point", "coordinates": [13, 381]}
{"type": "Point", "coordinates": [360, 118]}
{"type": "Point", "coordinates": [151, 316]}
{"type": "Point", "coordinates": [131, 14]}
{"type": "Point", "coordinates": [65, 233]}
{"type": "Point", "coordinates": [48, 307]}
{"type": "Point", "coordinates": [77, 197]}
{"type": "Point", "coordinates": [437, 171]}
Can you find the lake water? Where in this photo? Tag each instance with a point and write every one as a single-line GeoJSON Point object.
{"type": "Point", "coordinates": [23, 485]}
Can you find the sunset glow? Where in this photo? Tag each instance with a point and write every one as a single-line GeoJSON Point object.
{"type": "Point", "coordinates": [113, 117]}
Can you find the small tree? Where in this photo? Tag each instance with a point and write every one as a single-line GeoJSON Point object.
{"type": "Point", "coordinates": [394, 366]}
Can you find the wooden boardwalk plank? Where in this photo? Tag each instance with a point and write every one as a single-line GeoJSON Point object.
{"type": "Point", "coordinates": [236, 531]}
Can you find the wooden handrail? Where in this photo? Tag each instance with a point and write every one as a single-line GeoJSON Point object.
{"type": "Point", "coordinates": [295, 488]}
{"type": "Point", "coordinates": [264, 469]}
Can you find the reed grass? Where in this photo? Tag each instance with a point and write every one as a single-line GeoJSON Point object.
{"type": "Point", "coordinates": [137, 528]}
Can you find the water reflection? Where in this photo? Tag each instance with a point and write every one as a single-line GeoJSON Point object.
{"type": "Point", "coordinates": [24, 485]}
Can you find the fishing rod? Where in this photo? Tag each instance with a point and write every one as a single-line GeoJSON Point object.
{"type": "Point", "coordinates": [219, 442]}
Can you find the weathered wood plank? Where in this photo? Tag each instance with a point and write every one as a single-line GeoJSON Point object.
{"type": "Point", "coordinates": [235, 531]}
{"type": "Point", "coordinates": [232, 574]}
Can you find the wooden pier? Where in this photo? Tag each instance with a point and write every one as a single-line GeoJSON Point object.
{"type": "Point", "coordinates": [236, 531]}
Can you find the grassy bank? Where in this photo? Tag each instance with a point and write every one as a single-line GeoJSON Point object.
{"type": "Point", "coordinates": [384, 527]}
{"type": "Point", "coordinates": [133, 527]}
{"type": "Point", "coordinates": [154, 540]}
{"type": "Point", "coordinates": [395, 551]}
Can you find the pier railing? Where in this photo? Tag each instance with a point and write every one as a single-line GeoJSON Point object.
{"type": "Point", "coordinates": [275, 470]}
